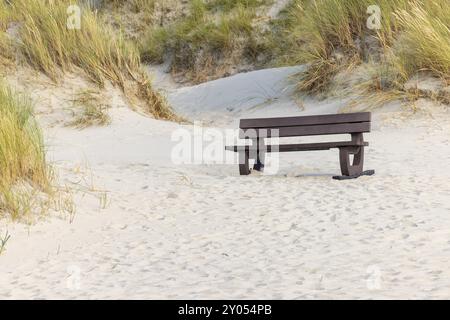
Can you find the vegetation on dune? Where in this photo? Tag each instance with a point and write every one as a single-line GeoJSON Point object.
{"type": "Point", "coordinates": [425, 41]}
{"type": "Point", "coordinates": [208, 39]}
{"type": "Point", "coordinates": [48, 45]}
{"type": "Point", "coordinates": [4, 15]}
{"type": "Point", "coordinates": [332, 36]}
{"type": "Point", "coordinates": [133, 16]}
{"type": "Point", "coordinates": [135, 5]}
{"type": "Point", "coordinates": [93, 110]}
{"type": "Point", "coordinates": [213, 37]}
{"type": "Point", "coordinates": [6, 52]}
{"type": "Point", "coordinates": [23, 168]}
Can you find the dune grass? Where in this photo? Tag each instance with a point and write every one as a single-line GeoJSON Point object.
{"type": "Point", "coordinates": [147, 6]}
{"type": "Point", "coordinates": [4, 15]}
{"type": "Point", "coordinates": [217, 37]}
{"type": "Point", "coordinates": [425, 40]}
{"type": "Point", "coordinates": [132, 16]}
{"type": "Point", "coordinates": [332, 35]}
{"type": "Point", "coordinates": [23, 168]}
{"type": "Point", "coordinates": [3, 241]}
{"type": "Point", "coordinates": [6, 52]}
{"type": "Point", "coordinates": [93, 112]}
{"type": "Point", "coordinates": [213, 36]}
{"type": "Point", "coordinates": [50, 46]}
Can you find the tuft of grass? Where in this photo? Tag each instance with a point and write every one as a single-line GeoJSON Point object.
{"type": "Point", "coordinates": [3, 241]}
{"type": "Point", "coordinates": [50, 46]}
{"type": "Point", "coordinates": [23, 168]}
{"type": "Point", "coordinates": [93, 111]}
{"type": "Point", "coordinates": [4, 15]}
{"type": "Point", "coordinates": [209, 40]}
{"type": "Point", "coordinates": [6, 50]}
{"type": "Point", "coordinates": [425, 41]}
{"type": "Point", "coordinates": [229, 5]}
{"type": "Point", "coordinates": [331, 36]}
{"type": "Point", "coordinates": [135, 5]}
{"type": "Point", "coordinates": [132, 16]}
{"type": "Point", "coordinates": [6, 45]}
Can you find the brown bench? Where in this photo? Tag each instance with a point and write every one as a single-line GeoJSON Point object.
{"type": "Point", "coordinates": [256, 130]}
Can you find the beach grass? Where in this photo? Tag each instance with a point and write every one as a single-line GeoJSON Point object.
{"type": "Point", "coordinates": [23, 167]}
{"type": "Point", "coordinates": [331, 35]}
{"type": "Point", "coordinates": [53, 47]}
{"type": "Point", "coordinates": [92, 111]}
{"type": "Point", "coordinates": [425, 41]}
{"type": "Point", "coordinates": [211, 37]}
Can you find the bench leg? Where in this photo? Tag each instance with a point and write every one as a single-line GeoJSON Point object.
{"type": "Point", "coordinates": [351, 169]}
{"type": "Point", "coordinates": [258, 153]}
{"type": "Point", "coordinates": [244, 167]}
{"type": "Point", "coordinates": [355, 169]}
{"type": "Point", "coordinates": [259, 162]}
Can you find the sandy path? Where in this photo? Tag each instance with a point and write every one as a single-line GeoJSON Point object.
{"type": "Point", "coordinates": [205, 232]}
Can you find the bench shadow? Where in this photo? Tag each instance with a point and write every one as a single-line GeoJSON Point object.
{"type": "Point", "coordinates": [309, 175]}
{"type": "Point", "coordinates": [223, 171]}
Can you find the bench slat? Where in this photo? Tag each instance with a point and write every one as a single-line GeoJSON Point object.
{"type": "Point", "coordinates": [305, 120]}
{"type": "Point", "coordinates": [300, 146]}
{"type": "Point", "coordinates": [342, 128]}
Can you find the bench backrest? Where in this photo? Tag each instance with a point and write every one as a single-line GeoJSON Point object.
{"type": "Point", "coordinates": [307, 125]}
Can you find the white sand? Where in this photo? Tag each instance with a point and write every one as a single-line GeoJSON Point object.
{"type": "Point", "coordinates": [202, 231]}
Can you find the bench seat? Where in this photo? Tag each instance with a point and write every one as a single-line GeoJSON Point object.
{"type": "Point", "coordinates": [300, 146]}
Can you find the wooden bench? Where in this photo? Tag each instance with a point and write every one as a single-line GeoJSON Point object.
{"type": "Point", "coordinates": [256, 130]}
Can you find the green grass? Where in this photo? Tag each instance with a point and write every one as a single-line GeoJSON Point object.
{"type": "Point", "coordinates": [23, 168]}
{"type": "Point", "coordinates": [6, 50]}
{"type": "Point", "coordinates": [132, 16]}
{"type": "Point", "coordinates": [213, 36]}
{"type": "Point", "coordinates": [93, 112]}
{"type": "Point", "coordinates": [100, 52]}
{"type": "Point", "coordinates": [425, 41]}
{"type": "Point", "coordinates": [216, 37]}
{"type": "Point", "coordinates": [135, 5]}
{"type": "Point", "coordinates": [229, 5]}
{"type": "Point", "coordinates": [3, 241]}
{"type": "Point", "coordinates": [331, 36]}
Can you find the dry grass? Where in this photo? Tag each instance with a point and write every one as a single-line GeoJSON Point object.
{"type": "Point", "coordinates": [329, 35]}
{"type": "Point", "coordinates": [3, 241]}
{"type": "Point", "coordinates": [23, 168]}
{"type": "Point", "coordinates": [6, 50]}
{"type": "Point", "coordinates": [93, 111]}
{"type": "Point", "coordinates": [102, 54]}
{"type": "Point", "coordinates": [332, 36]}
{"type": "Point", "coordinates": [210, 40]}
{"type": "Point", "coordinates": [425, 41]}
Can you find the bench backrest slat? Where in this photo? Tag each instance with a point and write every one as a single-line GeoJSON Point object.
{"type": "Point", "coordinates": [305, 120]}
{"type": "Point", "coordinates": [341, 128]}
{"type": "Point", "coordinates": [307, 126]}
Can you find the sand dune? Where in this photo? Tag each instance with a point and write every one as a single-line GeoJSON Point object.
{"type": "Point", "coordinates": [202, 231]}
